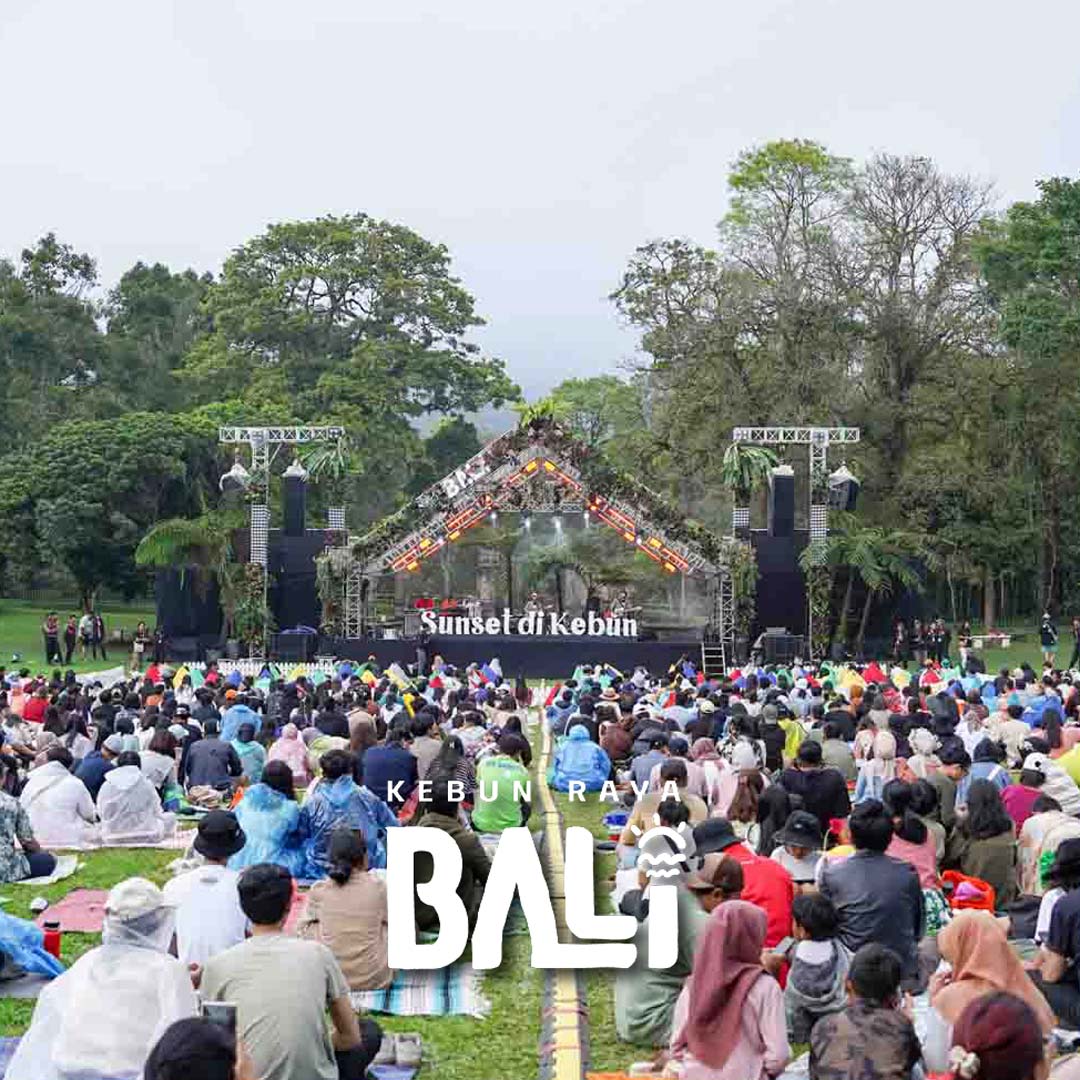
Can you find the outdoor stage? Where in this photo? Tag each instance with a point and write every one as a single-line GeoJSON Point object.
{"type": "Point", "coordinates": [533, 656]}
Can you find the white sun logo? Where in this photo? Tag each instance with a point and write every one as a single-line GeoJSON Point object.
{"type": "Point", "coordinates": [667, 863]}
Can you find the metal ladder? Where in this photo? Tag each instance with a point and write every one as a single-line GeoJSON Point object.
{"type": "Point", "coordinates": [712, 659]}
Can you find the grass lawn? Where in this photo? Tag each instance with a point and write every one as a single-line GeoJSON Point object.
{"type": "Point", "coordinates": [20, 632]}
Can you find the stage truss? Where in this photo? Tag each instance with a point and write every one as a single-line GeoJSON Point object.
{"type": "Point", "coordinates": [819, 439]}
{"type": "Point", "coordinates": [536, 478]}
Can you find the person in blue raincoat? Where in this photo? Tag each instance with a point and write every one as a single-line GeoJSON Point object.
{"type": "Point", "coordinates": [270, 817]}
{"type": "Point", "coordinates": [338, 802]}
{"type": "Point", "coordinates": [579, 758]}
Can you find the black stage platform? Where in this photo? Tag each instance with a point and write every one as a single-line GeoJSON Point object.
{"type": "Point", "coordinates": [535, 657]}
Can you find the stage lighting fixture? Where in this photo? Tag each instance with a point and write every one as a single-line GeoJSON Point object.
{"type": "Point", "coordinates": [236, 479]}
{"type": "Point", "coordinates": [843, 489]}
{"type": "Point", "coordinates": [493, 517]}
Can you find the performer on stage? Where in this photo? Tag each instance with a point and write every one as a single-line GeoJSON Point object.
{"type": "Point", "coordinates": [534, 606]}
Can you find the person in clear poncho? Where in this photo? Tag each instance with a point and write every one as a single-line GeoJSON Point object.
{"type": "Point", "coordinates": [102, 1017]}
{"type": "Point", "coordinates": [58, 804]}
{"type": "Point", "coordinates": [130, 808]}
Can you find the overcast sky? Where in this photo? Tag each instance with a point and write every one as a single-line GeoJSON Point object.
{"type": "Point", "coordinates": [541, 142]}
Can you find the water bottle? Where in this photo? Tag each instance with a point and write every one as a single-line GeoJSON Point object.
{"type": "Point", "coordinates": [52, 937]}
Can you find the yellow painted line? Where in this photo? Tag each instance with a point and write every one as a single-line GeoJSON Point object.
{"type": "Point", "coordinates": [566, 1028]}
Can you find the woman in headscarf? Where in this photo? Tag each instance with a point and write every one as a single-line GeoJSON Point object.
{"type": "Point", "coordinates": [983, 962]}
{"type": "Point", "coordinates": [879, 770]}
{"type": "Point", "coordinates": [293, 753]}
{"type": "Point", "coordinates": [720, 779]}
{"type": "Point", "coordinates": [270, 817]}
{"type": "Point", "coordinates": [729, 1021]}
{"type": "Point", "coordinates": [923, 759]}
{"type": "Point", "coordinates": [74, 1032]}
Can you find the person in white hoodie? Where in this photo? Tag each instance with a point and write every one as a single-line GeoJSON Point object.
{"type": "Point", "coordinates": [58, 804]}
{"type": "Point", "coordinates": [130, 808]}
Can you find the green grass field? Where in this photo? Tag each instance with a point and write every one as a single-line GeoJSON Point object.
{"type": "Point", "coordinates": [20, 632]}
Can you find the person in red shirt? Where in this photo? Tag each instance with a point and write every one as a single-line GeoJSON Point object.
{"type": "Point", "coordinates": [765, 882]}
{"type": "Point", "coordinates": [34, 709]}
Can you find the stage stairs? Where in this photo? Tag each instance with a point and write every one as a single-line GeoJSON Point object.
{"type": "Point", "coordinates": [712, 659]}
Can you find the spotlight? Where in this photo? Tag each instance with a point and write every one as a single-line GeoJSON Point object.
{"type": "Point", "coordinates": [236, 479]}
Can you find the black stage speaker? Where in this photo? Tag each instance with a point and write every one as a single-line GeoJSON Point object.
{"type": "Point", "coordinates": [782, 648]}
{"type": "Point", "coordinates": [296, 647]}
{"type": "Point", "coordinates": [295, 505]}
{"type": "Point", "coordinates": [782, 501]}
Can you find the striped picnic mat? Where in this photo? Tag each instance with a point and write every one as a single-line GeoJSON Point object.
{"type": "Point", "coordinates": [452, 991]}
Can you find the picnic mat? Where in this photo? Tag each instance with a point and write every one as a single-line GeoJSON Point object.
{"type": "Point", "coordinates": [66, 865]}
{"type": "Point", "coordinates": [451, 991]}
{"type": "Point", "coordinates": [26, 987]}
{"type": "Point", "coordinates": [82, 911]}
{"type": "Point", "coordinates": [179, 841]}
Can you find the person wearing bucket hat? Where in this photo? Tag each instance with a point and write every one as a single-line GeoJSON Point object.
{"type": "Point", "coordinates": [799, 847]}
{"type": "Point", "coordinates": [103, 1015]}
{"type": "Point", "coordinates": [208, 915]}
{"type": "Point", "coordinates": [765, 883]}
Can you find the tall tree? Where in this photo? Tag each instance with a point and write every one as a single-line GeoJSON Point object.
{"type": "Point", "coordinates": [1031, 260]}
{"type": "Point", "coordinates": [153, 317]}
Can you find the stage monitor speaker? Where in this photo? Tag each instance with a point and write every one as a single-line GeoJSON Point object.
{"type": "Point", "coordinates": [296, 647]}
{"type": "Point", "coordinates": [782, 648]}
{"type": "Point", "coordinates": [782, 501]}
{"type": "Point", "coordinates": [295, 505]}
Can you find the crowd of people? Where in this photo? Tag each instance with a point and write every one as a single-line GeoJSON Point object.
{"type": "Point", "coordinates": [880, 866]}
{"type": "Point", "coordinates": [290, 782]}
{"type": "Point", "coordinates": [877, 857]}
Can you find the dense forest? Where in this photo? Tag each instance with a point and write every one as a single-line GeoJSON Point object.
{"type": "Point", "coordinates": [883, 294]}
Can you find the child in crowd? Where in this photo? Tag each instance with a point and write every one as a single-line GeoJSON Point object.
{"type": "Point", "coordinates": [800, 850]}
{"type": "Point", "coordinates": [874, 1039]}
{"type": "Point", "coordinates": [817, 981]}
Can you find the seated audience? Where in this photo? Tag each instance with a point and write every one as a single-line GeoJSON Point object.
{"type": "Point", "coordinates": [291, 750]}
{"type": "Point", "coordinates": [211, 761]}
{"type": "Point", "coordinates": [579, 760]}
{"type": "Point", "coordinates": [60, 809]}
{"type": "Point", "coordinates": [335, 802]}
{"type": "Point", "coordinates": [282, 987]}
{"type": "Point", "coordinates": [441, 812]}
{"type": "Point", "coordinates": [208, 915]}
{"type": "Point", "coordinates": [390, 771]}
{"type": "Point", "coordinates": [980, 962]}
{"type": "Point", "coordinates": [347, 913]}
{"type": "Point", "coordinates": [26, 859]}
{"type": "Point", "coordinates": [129, 807]}
{"type": "Point", "coordinates": [800, 843]}
{"type": "Point", "coordinates": [198, 1048]}
{"type": "Point", "coordinates": [872, 1039]}
{"type": "Point", "coordinates": [131, 975]}
{"type": "Point", "coordinates": [252, 756]}
{"type": "Point", "coordinates": [877, 898]}
{"type": "Point", "coordinates": [817, 980]}
{"type": "Point", "coordinates": [645, 997]}
{"type": "Point", "coordinates": [729, 1019]}
{"type": "Point", "coordinates": [998, 1037]}
{"type": "Point", "coordinates": [983, 844]}
{"type": "Point", "coordinates": [500, 779]}
{"type": "Point", "coordinates": [270, 818]}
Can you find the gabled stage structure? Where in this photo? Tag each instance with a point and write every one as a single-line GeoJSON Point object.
{"type": "Point", "coordinates": [539, 467]}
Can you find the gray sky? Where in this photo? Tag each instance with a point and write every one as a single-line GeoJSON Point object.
{"type": "Point", "coordinates": [541, 142]}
